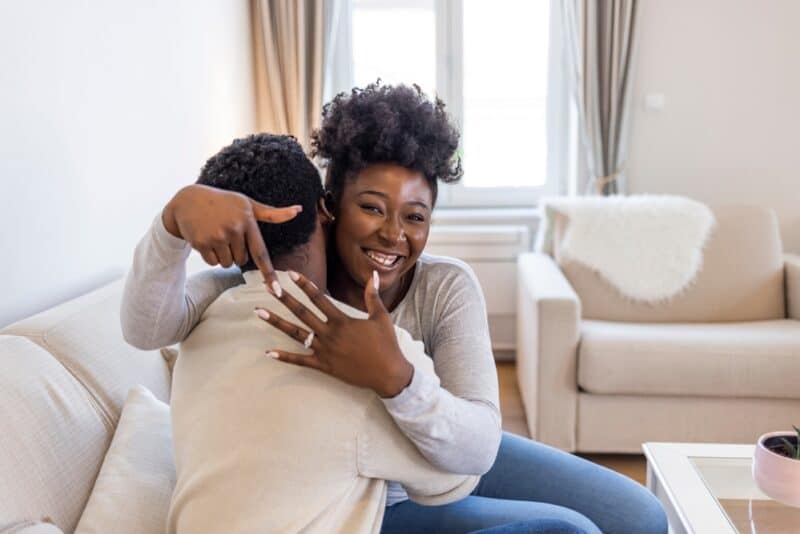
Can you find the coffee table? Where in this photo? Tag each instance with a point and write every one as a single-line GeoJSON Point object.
{"type": "Point", "coordinates": [708, 488]}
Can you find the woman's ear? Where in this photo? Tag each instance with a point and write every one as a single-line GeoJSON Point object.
{"type": "Point", "coordinates": [325, 215]}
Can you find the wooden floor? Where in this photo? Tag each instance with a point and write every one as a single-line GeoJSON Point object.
{"type": "Point", "coordinates": [631, 465]}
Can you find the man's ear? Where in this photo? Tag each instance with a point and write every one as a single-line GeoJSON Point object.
{"type": "Point", "coordinates": [325, 216]}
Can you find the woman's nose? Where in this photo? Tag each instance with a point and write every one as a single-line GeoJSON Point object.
{"type": "Point", "coordinates": [392, 231]}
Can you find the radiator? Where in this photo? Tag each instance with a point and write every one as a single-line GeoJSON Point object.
{"type": "Point", "coordinates": [491, 251]}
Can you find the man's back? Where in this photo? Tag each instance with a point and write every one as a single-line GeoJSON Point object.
{"type": "Point", "coordinates": [265, 446]}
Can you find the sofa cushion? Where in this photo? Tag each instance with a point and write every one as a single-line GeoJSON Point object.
{"type": "Point", "coordinates": [744, 236]}
{"type": "Point", "coordinates": [133, 490]}
{"type": "Point", "coordinates": [85, 335]}
{"type": "Point", "coordinates": [30, 527]}
{"type": "Point", "coordinates": [755, 359]}
{"type": "Point", "coordinates": [52, 440]}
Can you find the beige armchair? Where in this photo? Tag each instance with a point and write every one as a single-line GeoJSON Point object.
{"type": "Point", "coordinates": [718, 363]}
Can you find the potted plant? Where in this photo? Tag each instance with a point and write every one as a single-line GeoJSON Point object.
{"type": "Point", "coordinates": [776, 466]}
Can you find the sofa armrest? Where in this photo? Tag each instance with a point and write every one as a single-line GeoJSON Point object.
{"type": "Point", "coordinates": [792, 274]}
{"type": "Point", "coordinates": [548, 331]}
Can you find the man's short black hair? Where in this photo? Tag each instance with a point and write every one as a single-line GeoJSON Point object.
{"type": "Point", "coordinates": [386, 124]}
{"type": "Point", "coordinates": [273, 170]}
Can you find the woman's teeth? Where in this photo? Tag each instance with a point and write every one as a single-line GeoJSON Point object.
{"type": "Point", "coordinates": [384, 259]}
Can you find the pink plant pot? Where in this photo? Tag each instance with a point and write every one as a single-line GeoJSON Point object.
{"type": "Point", "coordinates": [776, 475]}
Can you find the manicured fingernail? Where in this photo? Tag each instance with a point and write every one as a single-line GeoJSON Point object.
{"type": "Point", "coordinates": [262, 314]}
{"type": "Point", "coordinates": [273, 354]}
{"type": "Point", "coordinates": [298, 208]}
{"type": "Point", "coordinates": [294, 276]}
{"type": "Point", "coordinates": [376, 281]}
{"type": "Point", "coordinates": [276, 288]}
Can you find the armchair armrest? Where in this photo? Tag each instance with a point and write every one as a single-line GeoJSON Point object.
{"type": "Point", "coordinates": [792, 274]}
{"type": "Point", "coordinates": [548, 331]}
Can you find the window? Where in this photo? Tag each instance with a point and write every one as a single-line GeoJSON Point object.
{"type": "Point", "coordinates": [489, 62]}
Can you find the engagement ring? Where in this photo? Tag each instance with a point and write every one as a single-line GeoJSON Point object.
{"type": "Point", "coordinates": [309, 340]}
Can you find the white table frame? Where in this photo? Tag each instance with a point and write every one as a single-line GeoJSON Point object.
{"type": "Point", "coordinates": [675, 481]}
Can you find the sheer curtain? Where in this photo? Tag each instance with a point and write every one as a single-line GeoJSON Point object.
{"type": "Point", "coordinates": [289, 39]}
{"type": "Point", "coordinates": [600, 41]}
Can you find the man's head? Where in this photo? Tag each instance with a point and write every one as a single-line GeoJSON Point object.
{"type": "Point", "coordinates": [273, 170]}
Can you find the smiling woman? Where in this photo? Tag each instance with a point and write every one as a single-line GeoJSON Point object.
{"type": "Point", "coordinates": [384, 221]}
{"type": "Point", "coordinates": [385, 147]}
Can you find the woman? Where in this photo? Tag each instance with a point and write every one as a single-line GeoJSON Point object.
{"type": "Point", "coordinates": [386, 147]}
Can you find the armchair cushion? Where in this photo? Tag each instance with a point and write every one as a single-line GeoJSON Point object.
{"type": "Point", "coordinates": [746, 237]}
{"type": "Point", "coordinates": [756, 359]}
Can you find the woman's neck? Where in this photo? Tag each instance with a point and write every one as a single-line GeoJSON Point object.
{"type": "Point", "coordinates": [343, 288]}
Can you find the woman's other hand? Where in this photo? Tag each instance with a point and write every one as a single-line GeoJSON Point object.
{"type": "Point", "coordinates": [361, 352]}
{"type": "Point", "coordinates": [223, 226]}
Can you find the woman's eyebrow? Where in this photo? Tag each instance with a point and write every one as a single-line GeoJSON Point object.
{"type": "Point", "coordinates": [384, 195]}
{"type": "Point", "coordinates": [419, 203]}
{"type": "Point", "coordinates": [371, 192]}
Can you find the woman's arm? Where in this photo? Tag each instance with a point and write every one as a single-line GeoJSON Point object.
{"type": "Point", "coordinates": [159, 306]}
{"type": "Point", "coordinates": [456, 425]}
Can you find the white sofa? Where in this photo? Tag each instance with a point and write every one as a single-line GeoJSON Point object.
{"type": "Point", "coordinates": [718, 363]}
{"type": "Point", "coordinates": [64, 376]}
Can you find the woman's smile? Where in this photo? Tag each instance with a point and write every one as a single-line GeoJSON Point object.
{"type": "Point", "coordinates": [384, 261]}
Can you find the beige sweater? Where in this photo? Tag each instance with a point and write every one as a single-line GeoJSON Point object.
{"type": "Point", "coordinates": [265, 446]}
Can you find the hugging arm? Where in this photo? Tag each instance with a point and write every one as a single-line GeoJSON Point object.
{"type": "Point", "coordinates": [159, 305]}
{"type": "Point", "coordinates": [455, 424]}
{"type": "Point", "coordinates": [385, 453]}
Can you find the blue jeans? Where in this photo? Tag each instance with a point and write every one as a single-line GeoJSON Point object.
{"type": "Point", "coordinates": [538, 526]}
{"type": "Point", "coordinates": [531, 482]}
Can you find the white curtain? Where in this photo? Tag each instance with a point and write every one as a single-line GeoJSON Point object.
{"type": "Point", "coordinates": [600, 38]}
{"type": "Point", "coordinates": [289, 50]}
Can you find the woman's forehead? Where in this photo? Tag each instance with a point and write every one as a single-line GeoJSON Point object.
{"type": "Point", "coordinates": [395, 182]}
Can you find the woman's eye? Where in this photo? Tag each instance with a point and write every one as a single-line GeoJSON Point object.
{"type": "Point", "coordinates": [371, 208]}
{"type": "Point", "coordinates": [416, 217]}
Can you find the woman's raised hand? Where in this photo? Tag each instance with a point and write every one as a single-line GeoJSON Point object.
{"type": "Point", "coordinates": [222, 226]}
{"type": "Point", "coordinates": [361, 352]}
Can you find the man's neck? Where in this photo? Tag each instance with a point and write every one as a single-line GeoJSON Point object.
{"type": "Point", "coordinates": [299, 263]}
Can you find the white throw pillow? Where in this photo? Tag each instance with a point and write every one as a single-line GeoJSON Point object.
{"type": "Point", "coordinates": [134, 487]}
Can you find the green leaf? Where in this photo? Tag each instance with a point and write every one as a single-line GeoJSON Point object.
{"type": "Point", "coordinates": [789, 447]}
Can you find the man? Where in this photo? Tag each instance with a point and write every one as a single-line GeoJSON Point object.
{"type": "Point", "coordinates": [265, 446]}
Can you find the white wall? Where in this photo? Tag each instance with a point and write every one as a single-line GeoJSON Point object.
{"type": "Point", "coordinates": [730, 130]}
{"type": "Point", "coordinates": [106, 109]}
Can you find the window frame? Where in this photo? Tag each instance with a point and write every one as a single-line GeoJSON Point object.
{"type": "Point", "coordinates": [561, 134]}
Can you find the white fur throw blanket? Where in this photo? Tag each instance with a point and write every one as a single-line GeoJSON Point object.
{"type": "Point", "coordinates": [650, 247]}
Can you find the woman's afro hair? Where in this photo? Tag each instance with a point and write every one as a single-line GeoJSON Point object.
{"type": "Point", "coordinates": [386, 124]}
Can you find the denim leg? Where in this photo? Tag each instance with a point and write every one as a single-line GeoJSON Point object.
{"type": "Point", "coordinates": [539, 526]}
{"type": "Point", "coordinates": [529, 471]}
{"type": "Point", "coordinates": [474, 513]}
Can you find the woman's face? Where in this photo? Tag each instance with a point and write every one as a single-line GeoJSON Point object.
{"type": "Point", "coordinates": [383, 222]}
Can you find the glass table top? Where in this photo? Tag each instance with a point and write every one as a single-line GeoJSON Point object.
{"type": "Point", "coordinates": [730, 481]}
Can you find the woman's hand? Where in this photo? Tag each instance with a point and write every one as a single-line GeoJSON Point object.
{"type": "Point", "coordinates": [222, 226]}
{"type": "Point", "coordinates": [361, 352]}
